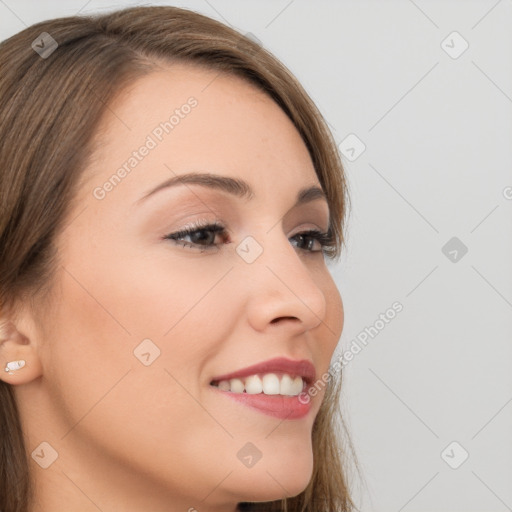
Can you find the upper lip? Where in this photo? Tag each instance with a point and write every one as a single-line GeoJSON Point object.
{"type": "Point", "coordinates": [302, 368]}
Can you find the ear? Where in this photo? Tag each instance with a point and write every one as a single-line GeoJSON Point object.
{"type": "Point", "coordinates": [17, 343]}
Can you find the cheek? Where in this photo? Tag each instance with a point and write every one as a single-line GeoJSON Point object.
{"type": "Point", "coordinates": [335, 315]}
{"type": "Point", "coordinates": [121, 315]}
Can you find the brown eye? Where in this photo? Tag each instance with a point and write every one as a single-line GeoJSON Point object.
{"type": "Point", "coordinates": [307, 240]}
{"type": "Point", "coordinates": [201, 236]}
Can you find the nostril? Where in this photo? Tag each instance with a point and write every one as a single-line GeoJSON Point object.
{"type": "Point", "coordinates": [283, 317]}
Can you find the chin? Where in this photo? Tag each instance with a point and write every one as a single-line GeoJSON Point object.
{"type": "Point", "coordinates": [285, 476]}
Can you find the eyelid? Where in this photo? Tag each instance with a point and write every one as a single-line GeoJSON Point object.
{"type": "Point", "coordinates": [310, 226]}
{"type": "Point", "coordinates": [200, 224]}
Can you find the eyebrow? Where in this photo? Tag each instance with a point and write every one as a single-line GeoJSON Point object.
{"type": "Point", "coordinates": [234, 186]}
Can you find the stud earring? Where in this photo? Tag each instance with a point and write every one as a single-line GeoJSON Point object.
{"type": "Point", "coordinates": [14, 365]}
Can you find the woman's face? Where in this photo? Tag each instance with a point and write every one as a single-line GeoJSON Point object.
{"type": "Point", "coordinates": [147, 325]}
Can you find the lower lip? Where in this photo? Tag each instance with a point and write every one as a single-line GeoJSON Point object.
{"type": "Point", "coordinates": [278, 406]}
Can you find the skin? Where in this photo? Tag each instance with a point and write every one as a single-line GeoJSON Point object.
{"type": "Point", "coordinates": [133, 437]}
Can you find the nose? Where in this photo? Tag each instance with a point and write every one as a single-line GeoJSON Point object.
{"type": "Point", "coordinates": [282, 289]}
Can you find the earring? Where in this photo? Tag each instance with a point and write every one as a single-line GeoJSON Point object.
{"type": "Point", "coordinates": [15, 365]}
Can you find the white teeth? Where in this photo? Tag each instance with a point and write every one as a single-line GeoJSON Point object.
{"type": "Point", "coordinates": [291, 386]}
{"type": "Point", "coordinates": [286, 387]}
{"type": "Point", "coordinates": [236, 385]}
{"type": "Point", "coordinates": [269, 384]}
{"type": "Point", "coordinates": [253, 385]}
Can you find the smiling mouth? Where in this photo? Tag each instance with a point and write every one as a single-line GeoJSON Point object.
{"type": "Point", "coordinates": [277, 387]}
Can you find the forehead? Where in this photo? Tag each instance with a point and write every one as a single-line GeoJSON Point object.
{"type": "Point", "coordinates": [189, 119]}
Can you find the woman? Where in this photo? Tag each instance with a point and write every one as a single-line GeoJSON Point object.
{"type": "Point", "coordinates": [170, 196]}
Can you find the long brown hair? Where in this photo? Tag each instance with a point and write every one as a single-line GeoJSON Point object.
{"type": "Point", "coordinates": [51, 104]}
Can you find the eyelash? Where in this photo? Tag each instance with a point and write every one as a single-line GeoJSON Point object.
{"type": "Point", "coordinates": [325, 239]}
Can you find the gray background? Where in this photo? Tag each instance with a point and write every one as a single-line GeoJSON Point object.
{"type": "Point", "coordinates": [437, 163]}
